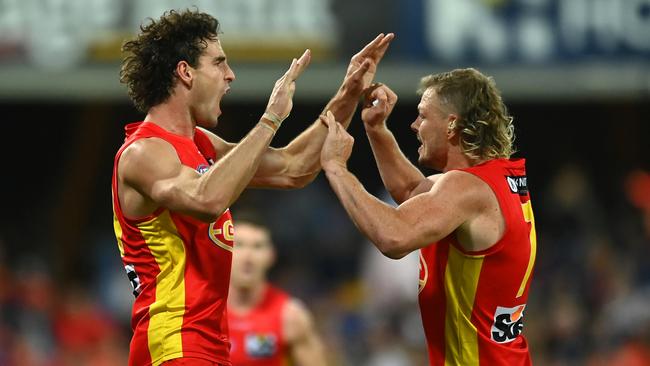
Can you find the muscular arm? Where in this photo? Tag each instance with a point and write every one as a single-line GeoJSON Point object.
{"type": "Point", "coordinates": [298, 163]}
{"type": "Point", "coordinates": [152, 176]}
{"type": "Point", "coordinates": [152, 168]}
{"type": "Point", "coordinates": [401, 178]}
{"type": "Point", "coordinates": [305, 345]}
{"type": "Point", "coordinates": [453, 201]}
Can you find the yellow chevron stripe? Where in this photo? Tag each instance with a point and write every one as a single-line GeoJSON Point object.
{"type": "Point", "coordinates": [166, 313]}
{"type": "Point", "coordinates": [461, 280]}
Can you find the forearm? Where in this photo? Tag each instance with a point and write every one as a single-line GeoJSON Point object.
{"type": "Point", "coordinates": [303, 152]}
{"type": "Point", "coordinates": [400, 177]}
{"type": "Point", "coordinates": [378, 221]}
{"type": "Point", "coordinates": [222, 184]}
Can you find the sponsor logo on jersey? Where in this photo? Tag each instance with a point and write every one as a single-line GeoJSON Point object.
{"type": "Point", "coordinates": [260, 345]}
{"type": "Point", "coordinates": [424, 273]}
{"type": "Point", "coordinates": [222, 233]}
{"type": "Point", "coordinates": [518, 184]}
{"type": "Point", "coordinates": [202, 168]}
{"type": "Point", "coordinates": [508, 323]}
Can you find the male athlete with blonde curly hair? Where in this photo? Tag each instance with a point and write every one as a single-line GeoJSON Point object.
{"type": "Point", "coordinates": [473, 223]}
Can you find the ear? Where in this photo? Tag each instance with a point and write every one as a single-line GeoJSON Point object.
{"type": "Point", "coordinates": [185, 73]}
{"type": "Point", "coordinates": [451, 125]}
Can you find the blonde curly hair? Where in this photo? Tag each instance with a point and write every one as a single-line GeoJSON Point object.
{"type": "Point", "coordinates": [486, 129]}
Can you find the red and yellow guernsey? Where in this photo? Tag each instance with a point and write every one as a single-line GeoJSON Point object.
{"type": "Point", "coordinates": [179, 267]}
{"type": "Point", "coordinates": [473, 303]}
{"type": "Point", "coordinates": [258, 336]}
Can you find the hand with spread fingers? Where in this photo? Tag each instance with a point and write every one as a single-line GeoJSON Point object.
{"type": "Point", "coordinates": [281, 100]}
{"type": "Point", "coordinates": [338, 144]}
{"type": "Point", "coordinates": [379, 101]}
{"type": "Point", "coordinates": [363, 65]}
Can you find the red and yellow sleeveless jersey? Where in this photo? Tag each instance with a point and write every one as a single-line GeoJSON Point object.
{"type": "Point", "coordinates": [179, 267]}
{"type": "Point", "coordinates": [473, 303]}
{"type": "Point", "coordinates": [257, 337]}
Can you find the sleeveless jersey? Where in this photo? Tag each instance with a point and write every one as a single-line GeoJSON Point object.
{"type": "Point", "coordinates": [257, 336]}
{"type": "Point", "coordinates": [473, 303]}
{"type": "Point", "coordinates": [179, 267]}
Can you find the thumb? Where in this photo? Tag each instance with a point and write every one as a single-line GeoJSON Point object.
{"type": "Point", "coordinates": [381, 96]}
{"type": "Point", "coordinates": [365, 66]}
{"type": "Point", "coordinates": [323, 119]}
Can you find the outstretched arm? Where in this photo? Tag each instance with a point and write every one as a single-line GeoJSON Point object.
{"type": "Point", "coordinates": [298, 163]}
{"type": "Point", "coordinates": [151, 168]}
{"type": "Point", "coordinates": [305, 345]}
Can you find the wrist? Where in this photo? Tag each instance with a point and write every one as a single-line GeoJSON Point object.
{"type": "Point", "coordinates": [375, 128]}
{"type": "Point", "coordinates": [334, 167]}
{"type": "Point", "coordinates": [349, 92]}
{"type": "Point", "coordinates": [271, 120]}
{"type": "Point", "coordinates": [268, 125]}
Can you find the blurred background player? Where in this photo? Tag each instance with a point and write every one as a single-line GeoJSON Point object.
{"type": "Point", "coordinates": [267, 326]}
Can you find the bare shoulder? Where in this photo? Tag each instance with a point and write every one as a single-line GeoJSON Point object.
{"type": "Point", "coordinates": [459, 181]}
{"type": "Point", "coordinates": [145, 155]}
{"type": "Point", "coordinates": [432, 179]}
{"type": "Point", "coordinates": [297, 319]}
{"type": "Point", "coordinates": [145, 148]}
{"type": "Point", "coordinates": [463, 190]}
{"type": "Point", "coordinates": [484, 224]}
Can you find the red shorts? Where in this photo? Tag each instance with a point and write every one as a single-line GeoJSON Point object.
{"type": "Point", "coordinates": [189, 362]}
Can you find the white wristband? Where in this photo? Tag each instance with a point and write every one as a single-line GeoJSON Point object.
{"type": "Point", "coordinates": [270, 116]}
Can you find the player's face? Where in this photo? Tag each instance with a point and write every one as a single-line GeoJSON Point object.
{"type": "Point", "coordinates": [253, 255]}
{"type": "Point", "coordinates": [211, 82]}
{"type": "Point", "coordinates": [431, 127]}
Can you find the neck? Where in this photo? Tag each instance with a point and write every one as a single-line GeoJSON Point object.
{"type": "Point", "coordinates": [456, 159]}
{"type": "Point", "coordinates": [174, 116]}
{"type": "Point", "coordinates": [245, 298]}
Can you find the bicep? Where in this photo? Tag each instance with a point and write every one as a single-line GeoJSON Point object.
{"type": "Point", "coordinates": [433, 215]}
{"type": "Point", "coordinates": [273, 165]}
{"type": "Point", "coordinates": [152, 167]}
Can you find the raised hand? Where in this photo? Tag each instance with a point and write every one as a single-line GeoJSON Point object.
{"type": "Point", "coordinates": [363, 66]}
{"type": "Point", "coordinates": [378, 104]}
{"type": "Point", "coordinates": [338, 144]}
{"type": "Point", "coordinates": [281, 100]}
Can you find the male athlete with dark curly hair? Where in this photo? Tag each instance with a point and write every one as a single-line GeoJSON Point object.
{"type": "Point", "coordinates": [173, 180]}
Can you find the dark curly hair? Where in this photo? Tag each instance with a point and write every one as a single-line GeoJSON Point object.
{"type": "Point", "coordinates": [486, 129]}
{"type": "Point", "coordinates": [148, 67]}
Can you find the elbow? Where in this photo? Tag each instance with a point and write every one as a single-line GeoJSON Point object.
{"type": "Point", "coordinates": [394, 248]}
{"type": "Point", "coordinates": [394, 253]}
{"type": "Point", "coordinates": [209, 209]}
